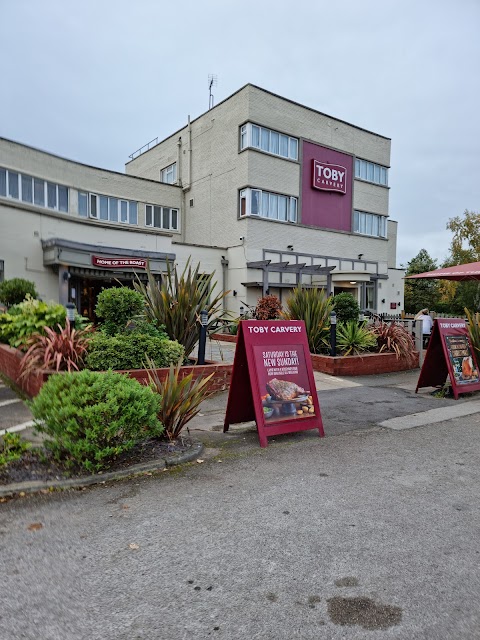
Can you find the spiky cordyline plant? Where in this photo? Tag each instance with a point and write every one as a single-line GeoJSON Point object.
{"type": "Point", "coordinates": [312, 306]}
{"type": "Point", "coordinates": [180, 397]}
{"type": "Point", "coordinates": [394, 337]}
{"type": "Point", "coordinates": [178, 300]}
{"type": "Point", "coordinates": [474, 330]}
{"type": "Point", "coordinates": [353, 338]}
{"type": "Point", "coordinates": [56, 351]}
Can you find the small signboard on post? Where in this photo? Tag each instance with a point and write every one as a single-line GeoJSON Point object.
{"type": "Point", "coordinates": [450, 353]}
{"type": "Point", "coordinates": [272, 379]}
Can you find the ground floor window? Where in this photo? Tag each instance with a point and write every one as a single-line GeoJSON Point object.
{"type": "Point", "coordinates": [265, 204]}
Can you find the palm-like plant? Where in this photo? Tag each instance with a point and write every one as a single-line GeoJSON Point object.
{"type": "Point", "coordinates": [177, 301]}
{"type": "Point", "coordinates": [180, 397]}
{"type": "Point", "coordinates": [474, 330]}
{"type": "Point", "coordinates": [354, 338]}
{"type": "Point", "coordinates": [58, 351]}
{"type": "Point", "coordinates": [312, 306]}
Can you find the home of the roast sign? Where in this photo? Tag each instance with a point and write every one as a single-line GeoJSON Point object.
{"type": "Point", "coordinates": [119, 263]}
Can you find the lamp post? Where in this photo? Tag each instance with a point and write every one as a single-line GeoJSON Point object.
{"type": "Point", "coordinates": [333, 334]}
{"type": "Point", "coordinates": [202, 337]}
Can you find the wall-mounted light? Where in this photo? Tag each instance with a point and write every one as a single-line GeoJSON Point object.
{"type": "Point", "coordinates": [353, 282]}
{"type": "Point", "coordinates": [234, 292]}
{"type": "Point", "coordinates": [290, 247]}
{"type": "Point", "coordinates": [66, 276]}
{"type": "Point", "coordinates": [383, 300]}
{"type": "Point", "coordinates": [360, 256]}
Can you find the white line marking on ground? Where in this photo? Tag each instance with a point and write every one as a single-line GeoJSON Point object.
{"type": "Point", "coordinates": [431, 416]}
{"type": "Point", "coordinates": [12, 401]}
{"type": "Point", "coordinates": [18, 427]}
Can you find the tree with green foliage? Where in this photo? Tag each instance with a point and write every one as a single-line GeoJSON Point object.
{"type": "Point", "coordinates": [15, 290]}
{"type": "Point", "coordinates": [421, 293]}
{"type": "Point", "coordinates": [464, 248]}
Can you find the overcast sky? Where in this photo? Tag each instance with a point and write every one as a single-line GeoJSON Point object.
{"type": "Point", "coordinates": [95, 80]}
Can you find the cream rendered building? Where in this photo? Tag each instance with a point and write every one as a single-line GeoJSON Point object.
{"type": "Point", "coordinates": [263, 191]}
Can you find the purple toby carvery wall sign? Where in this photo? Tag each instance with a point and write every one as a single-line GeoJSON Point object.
{"type": "Point", "coordinates": [329, 177]}
{"type": "Point", "coordinates": [327, 188]}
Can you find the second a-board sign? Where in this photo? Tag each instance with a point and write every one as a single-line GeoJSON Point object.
{"type": "Point", "coordinates": [272, 379]}
{"type": "Point", "coordinates": [450, 352]}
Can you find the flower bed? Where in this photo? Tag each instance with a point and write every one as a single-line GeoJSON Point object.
{"type": "Point", "coordinates": [31, 384]}
{"type": "Point", "coordinates": [363, 365]}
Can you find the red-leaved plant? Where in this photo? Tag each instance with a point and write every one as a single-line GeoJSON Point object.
{"type": "Point", "coordinates": [56, 351]}
{"type": "Point", "coordinates": [394, 337]}
{"type": "Point", "coordinates": [268, 308]}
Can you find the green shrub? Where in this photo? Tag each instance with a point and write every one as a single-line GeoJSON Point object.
{"type": "Point", "coordinates": [353, 338]}
{"type": "Point", "coordinates": [116, 307]}
{"type": "Point", "coordinates": [29, 317]}
{"type": "Point", "coordinates": [91, 418]}
{"type": "Point", "coordinates": [346, 307]}
{"type": "Point", "coordinates": [12, 447]}
{"type": "Point", "coordinates": [130, 351]}
{"type": "Point", "coordinates": [15, 290]}
{"type": "Point", "coordinates": [312, 306]}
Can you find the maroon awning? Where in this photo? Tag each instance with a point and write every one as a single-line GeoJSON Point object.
{"type": "Point", "coordinates": [470, 271]}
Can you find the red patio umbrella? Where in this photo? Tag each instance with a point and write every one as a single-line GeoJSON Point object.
{"type": "Point", "coordinates": [470, 271]}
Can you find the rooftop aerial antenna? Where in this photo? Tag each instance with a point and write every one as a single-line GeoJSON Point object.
{"type": "Point", "coordinates": [212, 82]}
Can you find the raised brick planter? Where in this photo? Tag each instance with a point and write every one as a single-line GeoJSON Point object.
{"type": "Point", "coordinates": [364, 365]}
{"type": "Point", "coordinates": [223, 337]}
{"type": "Point", "coordinates": [31, 385]}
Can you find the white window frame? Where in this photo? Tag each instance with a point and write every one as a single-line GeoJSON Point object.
{"type": "Point", "coordinates": [94, 211]}
{"type": "Point", "coordinates": [264, 133]}
{"type": "Point", "coordinates": [152, 224]}
{"type": "Point", "coordinates": [268, 205]}
{"type": "Point", "coordinates": [371, 172]}
{"type": "Point", "coordinates": [168, 175]}
{"type": "Point", "coordinates": [363, 221]}
{"type": "Point", "coordinates": [34, 181]}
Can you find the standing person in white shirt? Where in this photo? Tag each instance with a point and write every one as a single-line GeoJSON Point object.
{"type": "Point", "coordinates": [427, 322]}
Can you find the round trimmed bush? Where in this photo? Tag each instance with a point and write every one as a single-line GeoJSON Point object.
{"type": "Point", "coordinates": [15, 290]}
{"type": "Point", "coordinates": [91, 418]}
{"type": "Point", "coordinates": [346, 307]}
{"type": "Point", "coordinates": [116, 306]}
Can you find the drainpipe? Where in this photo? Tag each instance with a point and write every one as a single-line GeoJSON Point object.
{"type": "Point", "coordinates": [188, 182]}
{"type": "Point", "coordinates": [224, 280]}
{"type": "Point", "coordinates": [179, 161]}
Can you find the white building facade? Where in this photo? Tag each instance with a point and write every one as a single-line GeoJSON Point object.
{"type": "Point", "coordinates": [267, 193]}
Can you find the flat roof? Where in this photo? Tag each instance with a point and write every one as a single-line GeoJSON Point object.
{"type": "Point", "coordinates": [276, 95]}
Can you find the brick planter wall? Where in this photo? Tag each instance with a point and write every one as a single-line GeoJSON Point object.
{"type": "Point", "coordinates": [223, 337]}
{"type": "Point", "coordinates": [364, 365]}
{"type": "Point", "coordinates": [10, 367]}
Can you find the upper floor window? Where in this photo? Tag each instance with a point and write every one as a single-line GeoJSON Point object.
{"type": "Point", "coordinates": [370, 224]}
{"type": "Point", "coordinates": [371, 172]}
{"type": "Point", "coordinates": [107, 208]}
{"type": "Point", "coordinates": [169, 174]}
{"type": "Point", "coordinates": [33, 190]}
{"type": "Point", "coordinates": [161, 217]}
{"type": "Point", "coordinates": [255, 202]}
{"type": "Point", "coordinates": [279, 144]}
